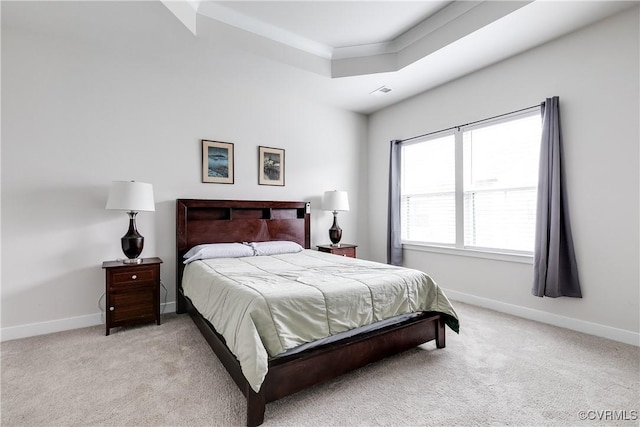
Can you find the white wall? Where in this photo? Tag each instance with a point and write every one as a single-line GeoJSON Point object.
{"type": "Point", "coordinates": [595, 73]}
{"type": "Point", "coordinates": [99, 91]}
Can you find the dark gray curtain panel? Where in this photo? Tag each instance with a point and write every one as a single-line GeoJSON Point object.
{"type": "Point", "coordinates": [394, 245]}
{"type": "Point", "coordinates": [554, 261]}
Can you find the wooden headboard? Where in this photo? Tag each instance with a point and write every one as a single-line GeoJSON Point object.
{"type": "Point", "coordinates": [226, 221]}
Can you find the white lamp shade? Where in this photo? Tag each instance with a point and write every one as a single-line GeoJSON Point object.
{"type": "Point", "coordinates": [131, 196]}
{"type": "Point", "coordinates": [335, 201]}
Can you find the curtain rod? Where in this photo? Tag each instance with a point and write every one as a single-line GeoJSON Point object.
{"type": "Point", "coordinates": [400, 141]}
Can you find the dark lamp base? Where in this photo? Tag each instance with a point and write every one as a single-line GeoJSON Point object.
{"type": "Point", "coordinates": [335, 232]}
{"type": "Point", "coordinates": [132, 242]}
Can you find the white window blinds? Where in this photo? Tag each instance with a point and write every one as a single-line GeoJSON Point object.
{"type": "Point", "coordinates": [428, 191]}
{"type": "Point", "coordinates": [500, 182]}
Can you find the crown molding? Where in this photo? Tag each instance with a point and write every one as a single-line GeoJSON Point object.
{"type": "Point", "coordinates": [456, 20]}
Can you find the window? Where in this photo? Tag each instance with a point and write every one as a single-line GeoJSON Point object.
{"type": "Point", "coordinates": [429, 191]}
{"type": "Point", "coordinates": [474, 186]}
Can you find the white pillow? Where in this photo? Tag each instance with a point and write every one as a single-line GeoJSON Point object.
{"type": "Point", "coordinates": [217, 250]}
{"type": "Point", "coordinates": [277, 247]}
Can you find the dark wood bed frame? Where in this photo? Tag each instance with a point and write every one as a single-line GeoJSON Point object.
{"type": "Point", "coordinates": [224, 221]}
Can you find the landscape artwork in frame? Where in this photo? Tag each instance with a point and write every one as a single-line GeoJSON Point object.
{"type": "Point", "coordinates": [271, 166]}
{"type": "Point", "coordinates": [217, 162]}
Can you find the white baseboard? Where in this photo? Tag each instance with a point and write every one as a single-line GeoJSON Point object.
{"type": "Point", "coordinates": [616, 334]}
{"type": "Point", "coordinates": [42, 328]}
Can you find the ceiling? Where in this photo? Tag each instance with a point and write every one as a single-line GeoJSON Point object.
{"type": "Point", "coordinates": [406, 46]}
{"type": "Point", "coordinates": [331, 52]}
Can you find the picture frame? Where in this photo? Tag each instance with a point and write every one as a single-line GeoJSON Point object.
{"type": "Point", "coordinates": [217, 162]}
{"type": "Point", "coordinates": [271, 166]}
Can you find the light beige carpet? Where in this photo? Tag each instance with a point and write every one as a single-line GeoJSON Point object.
{"type": "Point", "coordinates": [501, 370]}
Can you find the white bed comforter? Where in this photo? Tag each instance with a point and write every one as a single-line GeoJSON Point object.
{"type": "Point", "coordinates": [266, 305]}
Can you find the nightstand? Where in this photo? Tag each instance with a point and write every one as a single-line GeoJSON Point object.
{"type": "Point", "coordinates": [132, 292]}
{"type": "Point", "coordinates": [343, 249]}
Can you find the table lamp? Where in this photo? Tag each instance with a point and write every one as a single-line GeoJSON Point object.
{"type": "Point", "coordinates": [335, 201]}
{"type": "Point", "coordinates": [132, 197]}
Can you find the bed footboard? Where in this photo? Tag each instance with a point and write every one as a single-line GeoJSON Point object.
{"type": "Point", "coordinates": [291, 374]}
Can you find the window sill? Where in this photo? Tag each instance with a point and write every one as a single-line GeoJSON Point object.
{"type": "Point", "coordinates": [474, 253]}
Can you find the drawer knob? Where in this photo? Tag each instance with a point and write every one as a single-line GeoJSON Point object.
{"type": "Point", "coordinates": [134, 277]}
{"type": "Point", "coordinates": [111, 308]}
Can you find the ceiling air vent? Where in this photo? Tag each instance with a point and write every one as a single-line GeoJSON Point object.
{"type": "Point", "coordinates": [382, 90]}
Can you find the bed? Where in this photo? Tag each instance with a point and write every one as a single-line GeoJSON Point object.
{"type": "Point", "coordinates": [222, 221]}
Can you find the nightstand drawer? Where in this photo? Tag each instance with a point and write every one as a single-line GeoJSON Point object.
{"type": "Point", "coordinates": [342, 250]}
{"type": "Point", "coordinates": [133, 275]}
{"type": "Point", "coordinates": [350, 252]}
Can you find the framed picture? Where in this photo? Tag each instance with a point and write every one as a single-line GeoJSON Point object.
{"type": "Point", "coordinates": [217, 162]}
{"type": "Point", "coordinates": [270, 166]}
